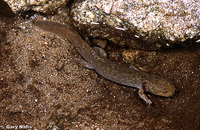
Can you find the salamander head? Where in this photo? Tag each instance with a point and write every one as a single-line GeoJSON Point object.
{"type": "Point", "coordinates": [159, 86]}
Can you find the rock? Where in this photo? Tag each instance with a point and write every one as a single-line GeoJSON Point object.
{"type": "Point", "coordinates": [139, 58]}
{"type": "Point", "coordinates": [139, 24]}
{"type": "Point", "coordinates": [100, 42]}
{"type": "Point", "coordinates": [35, 5]}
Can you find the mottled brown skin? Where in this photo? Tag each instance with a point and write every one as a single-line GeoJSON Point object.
{"type": "Point", "coordinates": [111, 70]}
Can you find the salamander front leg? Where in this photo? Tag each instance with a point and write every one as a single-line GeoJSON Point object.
{"type": "Point", "coordinates": [143, 96]}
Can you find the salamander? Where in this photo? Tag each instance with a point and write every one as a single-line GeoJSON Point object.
{"type": "Point", "coordinates": [108, 69]}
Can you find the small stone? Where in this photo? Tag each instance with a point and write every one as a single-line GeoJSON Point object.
{"type": "Point", "coordinates": [131, 55]}
{"type": "Point", "coordinates": [100, 42]}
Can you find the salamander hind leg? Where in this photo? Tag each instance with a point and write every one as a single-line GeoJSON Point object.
{"type": "Point", "coordinates": [100, 51]}
{"type": "Point", "coordinates": [82, 63]}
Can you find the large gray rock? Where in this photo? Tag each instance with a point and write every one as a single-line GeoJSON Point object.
{"type": "Point", "coordinates": [140, 24]}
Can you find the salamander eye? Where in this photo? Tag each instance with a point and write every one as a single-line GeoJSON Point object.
{"type": "Point", "coordinates": [165, 91]}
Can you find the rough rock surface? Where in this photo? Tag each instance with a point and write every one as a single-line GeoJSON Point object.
{"type": "Point", "coordinates": [35, 5]}
{"type": "Point", "coordinates": [157, 23]}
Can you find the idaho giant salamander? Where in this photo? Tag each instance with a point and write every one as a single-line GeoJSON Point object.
{"type": "Point", "coordinates": [110, 70]}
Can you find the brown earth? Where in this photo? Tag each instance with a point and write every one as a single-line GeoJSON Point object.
{"type": "Point", "coordinates": [41, 87]}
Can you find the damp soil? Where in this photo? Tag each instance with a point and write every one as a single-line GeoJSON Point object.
{"type": "Point", "coordinates": [41, 86]}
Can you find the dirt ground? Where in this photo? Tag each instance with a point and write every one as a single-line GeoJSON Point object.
{"type": "Point", "coordinates": [41, 86]}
